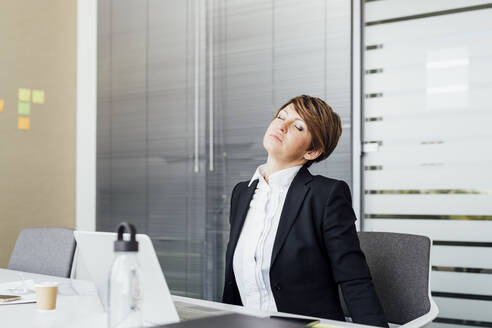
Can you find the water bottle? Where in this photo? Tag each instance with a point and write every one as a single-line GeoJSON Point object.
{"type": "Point", "coordinates": [125, 289]}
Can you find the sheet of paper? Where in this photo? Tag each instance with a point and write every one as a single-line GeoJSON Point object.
{"type": "Point", "coordinates": [28, 298]}
{"type": "Point", "coordinates": [38, 96]}
{"type": "Point", "coordinates": [24, 95]}
{"type": "Point", "coordinates": [23, 123]}
{"type": "Point", "coordinates": [24, 108]}
{"type": "Point", "coordinates": [11, 288]}
{"type": "Point", "coordinates": [2, 104]}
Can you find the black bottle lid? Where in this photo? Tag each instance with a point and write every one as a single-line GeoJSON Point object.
{"type": "Point", "coordinates": [121, 245]}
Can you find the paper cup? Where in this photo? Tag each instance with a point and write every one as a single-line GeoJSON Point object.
{"type": "Point", "coordinates": [46, 295]}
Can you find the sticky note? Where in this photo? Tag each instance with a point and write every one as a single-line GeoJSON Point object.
{"type": "Point", "coordinates": [24, 108]}
{"type": "Point", "coordinates": [38, 96]}
{"type": "Point", "coordinates": [23, 123]}
{"type": "Point", "coordinates": [24, 95]}
{"type": "Point", "coordinates": [319, 325]}
{"type": "Point", "coordinates": [2, 103]}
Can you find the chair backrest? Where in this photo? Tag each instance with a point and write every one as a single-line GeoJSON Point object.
{"type": "Point", "coordinates": [399, 265]}
{"type": "Point", "coordinates": [46, 250]}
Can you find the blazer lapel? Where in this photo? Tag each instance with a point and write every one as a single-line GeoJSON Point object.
{"type": "Point", "coordinates": [293, 201]}
{"type": "Point", "coordinates": [237, 225]}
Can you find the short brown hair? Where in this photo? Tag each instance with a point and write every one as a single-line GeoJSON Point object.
{"type": "Point", "coordinates": [323, 123]}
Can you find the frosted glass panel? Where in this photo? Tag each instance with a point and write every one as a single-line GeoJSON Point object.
{"type": "Point", "coordinates": [460, 282]}
{"type": "Point", "coordinates": [437, 324]}
{"type": "Point", "coordinates": [474, 178]}
{"type": "Point", "coordinates": [379, 10]}
{"type": "Point", "coordinates": [418, 32]}
{"type": "Point", "coordinates": [426, 141]}
{"type": "Point", "coordinates": [461, 256]}
{"type": "Point", "coordinates": [418, 153]}
{"type": "Point", "coordinates": [477, 231]}
{"type": "Point", "coordinates": [429, 204]}
{"type": "Point", "coordinates": [432, 128]}
{"type": "Point", "coordinates": [475, 310]}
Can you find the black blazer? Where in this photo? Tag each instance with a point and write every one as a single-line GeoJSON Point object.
{"type": "Point", "coordinates": [316, 249]}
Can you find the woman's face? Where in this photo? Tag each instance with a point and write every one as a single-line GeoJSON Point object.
{"type": "Point", "coordinates": [287, 138]}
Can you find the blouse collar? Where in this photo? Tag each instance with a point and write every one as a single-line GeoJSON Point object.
{"type": "Point", "coordinates": [279, 180]}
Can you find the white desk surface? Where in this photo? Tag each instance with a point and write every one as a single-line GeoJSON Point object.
{"type": "Point", "coordinates": [78, 306]}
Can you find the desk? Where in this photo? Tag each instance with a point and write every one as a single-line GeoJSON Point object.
{"type": "Point", "coordinates": [79, 306]}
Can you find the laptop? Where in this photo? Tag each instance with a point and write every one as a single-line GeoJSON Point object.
{"type": "Point", "coordinates": [96, 252]}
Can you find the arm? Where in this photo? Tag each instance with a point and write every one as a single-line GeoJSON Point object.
{"type": "Point", "coordinates": [232, 210]}
{"type": "Point", "coordinates": [231, 293]}
{"type": "Point", "coordinates": [348, 263]}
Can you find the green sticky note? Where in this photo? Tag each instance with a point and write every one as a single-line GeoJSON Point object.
{"type": "Point", "coordinates": [24, 108]}
{"type": "Point", "coordinates": [38, 96]}
{"type": "Point", "coordinates": [24, 95]}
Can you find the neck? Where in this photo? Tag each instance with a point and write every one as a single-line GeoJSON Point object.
{"type": "Point", "coordinates": [273, 165]}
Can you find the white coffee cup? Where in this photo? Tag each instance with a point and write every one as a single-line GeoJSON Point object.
{"type": "Point", "coordinates": [46, 295]}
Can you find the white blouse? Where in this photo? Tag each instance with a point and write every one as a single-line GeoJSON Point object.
{"type": "Point", "coordinates": [252, 257]}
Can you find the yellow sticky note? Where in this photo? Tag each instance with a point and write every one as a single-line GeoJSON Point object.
{"type": "Point", "coordinates": [23, 123]}
{"type": "Point", "coordinates": [38, 96]}
{"type": "Point", "coordinates": [24, 95]}
{"type": "Point", "coordinates": [24, 108]}
{"type": "Point", "coordinates": [2, 103]}
{"type": "Point", "coordinates": [319, 325]}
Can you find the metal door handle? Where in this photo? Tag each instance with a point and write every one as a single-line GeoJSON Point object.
{"type": "Point", "coordinates": [211, 84]}
{"type": "Point", "coordinates": [197, 84]}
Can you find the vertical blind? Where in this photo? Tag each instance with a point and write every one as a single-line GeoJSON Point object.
{"type": "Point", "coordinates": [427, 141]}
{"type": "Point", "coordinates": [186, 89]}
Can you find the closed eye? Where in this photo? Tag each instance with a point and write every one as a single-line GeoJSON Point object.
{"type": "Point", "coordinates": [298, 126]}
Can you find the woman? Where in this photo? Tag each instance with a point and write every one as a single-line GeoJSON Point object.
{"type": "Point", "coordinates": [293, 240]}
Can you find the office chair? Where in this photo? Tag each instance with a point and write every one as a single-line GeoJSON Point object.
{"type": "Point", "coordinates": [46, 250]}
{"type": "Point", "coordinates": [400, 269]}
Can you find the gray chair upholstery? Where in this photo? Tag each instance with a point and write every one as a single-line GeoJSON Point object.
{"type": "Point", "coordinates": [399, 265]}
{"type": "Point", "coordinates": [46, 250]}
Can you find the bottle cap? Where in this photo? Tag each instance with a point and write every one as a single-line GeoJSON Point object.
{"type": "Point", "coordinates": [121, 245]}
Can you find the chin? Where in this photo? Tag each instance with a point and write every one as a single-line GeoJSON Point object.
{"type": "Point", "coordinates": [270, 145]}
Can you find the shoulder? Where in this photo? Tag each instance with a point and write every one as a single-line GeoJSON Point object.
{"type": "Point", "coordinates": [328, 188]}
{"type": "Point", "coordinates": [323, 183]}
{"type": "Point", "coordinates": [238, 188]}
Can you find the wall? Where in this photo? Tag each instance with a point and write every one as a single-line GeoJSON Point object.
{"type": "Point", "coordinates": [85, 216]}
{"type": "Point", "coordinates": [37, 166]}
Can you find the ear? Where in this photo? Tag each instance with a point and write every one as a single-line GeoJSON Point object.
{"type": "Point", "coordinates": [312, 154]}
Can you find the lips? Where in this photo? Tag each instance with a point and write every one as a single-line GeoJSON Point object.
{"type": "Point", "coordinates": [276, 137]}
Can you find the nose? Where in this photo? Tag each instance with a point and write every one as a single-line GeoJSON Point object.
{"type": "Point", "coordinates": [283, 127]}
